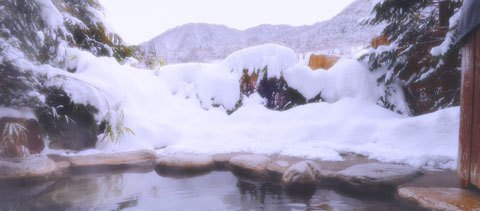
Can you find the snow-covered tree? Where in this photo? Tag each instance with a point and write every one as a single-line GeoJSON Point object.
{"type": "Point", "coordinates": [35, 36]}
{"type": "Point", "coordinates": [420, 58]}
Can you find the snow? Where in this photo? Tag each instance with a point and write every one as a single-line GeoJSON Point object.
{"type": "Point", "coordinates": [41, 37]}
{"type": "Point", "coordinates": [276, 57]}
{"type": "Point", "coordinates": [443, 48]}
{"type": "Point", "coordinates": [347, 78]}
{"type": "Point", "coordinates": [167, 108]}
{"type": "Point", "coordinates": [250, 161]}
{"type": "Point", "coordinates": [50, 14]}
{"type": "Point", "coordinates": [183, 108]}
{"type": "Point", "coordinates": [218, 84]}
{"type": "Point", "coordinates": [212, 84]}
{"type": "Point", "coordinates": [282, 163]}
{"type": "Point", "coordinates": [17, 113]}
{"type": "Point", "coordinates": [74, 21]}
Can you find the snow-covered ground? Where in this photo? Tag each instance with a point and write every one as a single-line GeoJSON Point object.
{"type": "Point", "coordinates": [174, 107]}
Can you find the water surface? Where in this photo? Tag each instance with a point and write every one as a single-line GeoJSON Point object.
{"type": "Point", "coordinates": [213, 191]}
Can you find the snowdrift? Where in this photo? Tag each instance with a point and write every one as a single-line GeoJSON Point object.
{"type": "Point", "coordinates": [183, 107]}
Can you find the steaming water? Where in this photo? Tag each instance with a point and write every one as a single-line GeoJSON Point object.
{"type": "Point", "coordinates": [214, 191]}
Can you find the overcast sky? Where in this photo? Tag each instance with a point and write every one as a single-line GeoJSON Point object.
{"type": "Point", "coordinates": [140, 20]}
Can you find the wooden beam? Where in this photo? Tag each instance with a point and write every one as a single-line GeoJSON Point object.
{"type": "Point", "coordinates": [466, 117]}
{"type": "Point", "coordinates": [475, 160]}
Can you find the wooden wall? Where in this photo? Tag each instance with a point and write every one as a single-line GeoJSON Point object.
{"type": "Point", "coordinates": [469, 149]}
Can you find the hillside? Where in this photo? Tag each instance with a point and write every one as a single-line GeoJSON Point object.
{"type": "Point", "coordinates": [198, 42]}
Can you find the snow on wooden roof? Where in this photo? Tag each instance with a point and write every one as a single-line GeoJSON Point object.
{"type": "Point", "coordinates": [470, 19]}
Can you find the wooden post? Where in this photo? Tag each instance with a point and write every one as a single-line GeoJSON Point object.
{"type": "Point", "coordinates": [469, 148]}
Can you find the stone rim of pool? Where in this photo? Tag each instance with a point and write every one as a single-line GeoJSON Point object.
{"type": "Point", "coordinates": [356, 175]}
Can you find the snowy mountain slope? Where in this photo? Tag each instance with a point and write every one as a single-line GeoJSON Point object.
{"type": "Point", "coordinates": [207, 42]}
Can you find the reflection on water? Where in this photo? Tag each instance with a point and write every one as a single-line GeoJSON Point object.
{"type": "Point", "coordinates": [214, 191]}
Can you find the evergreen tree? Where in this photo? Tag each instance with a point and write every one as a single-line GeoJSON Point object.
{"type": "Point", "coordinates": [420, 58]}
{"type": "Point", "coordinates": [34, 37]}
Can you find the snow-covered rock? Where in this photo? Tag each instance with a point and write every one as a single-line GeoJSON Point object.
{"type": "Point", "coordinates": [277, 168]}
{"type": "Point", "coordinates": [301, 175]}
{"type": "Point", "coordinates": [222, 161]}
{"type": "Point", "coordinates": [184, 163]}
{"type": "Point", "coordinates": [27, 170]}
{"type": "Point", "coordinates": [442, 198]}
{"type": "Point", "coordinates": [250, 165]}
{"type": "Point", "coordinates": [113, 161]}
{"type": "Point", "coordinates": [276, 58]}
{"type": "Point", "coordinates": [376, 177]}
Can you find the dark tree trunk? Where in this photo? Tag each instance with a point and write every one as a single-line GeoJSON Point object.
{"type": "Point", "coordinates": [445, 12]}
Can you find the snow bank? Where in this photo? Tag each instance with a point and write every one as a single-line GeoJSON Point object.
{"type": "Point", "coordinates": [276, 57]}
{"type": "Point", "coordinates": [212, 84]}
{"type": "Point", "coordinates": [347, 78]}
{"type": "Point", "coordinates": [218, 84]}
{"type": "Point", "coordinates": [167, 108]}
{"type": "Point", "coordinates": [17, 113]}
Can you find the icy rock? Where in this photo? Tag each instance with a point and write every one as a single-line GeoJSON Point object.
{"type": "Point", "coordinates": [250, 165]}
{"type": "Point", "coordinates": [442, 198]}
{"type": "Point", "coordinates": [113, 161]}
{"type": "Point", "coordinates": [29, 169]}
{"type": "Point", "coordinates": [184, 163]}
{"type": "Point", "coordinates": [301, 176]}
{"type": "Point", "coordinates": [376, 177]}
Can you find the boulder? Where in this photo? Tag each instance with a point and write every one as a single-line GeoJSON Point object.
{"type": "Point", "coordinates": [113, 161]}
{"type": "Point", "coordinates": [62, 163]}
{"type": "Point", "coordinates": [322, 61]}
{"type": "Point", "coordinates": [276, 169]}
{"type": "Point", "coordinates": [32, 140]}
{"type": "Point", "coordinates": [301, 173]}
{"type": "Point", "coordinates": [376, 177]}
{"type": "Point", "coordinates": [301, 177]}
{"type": "Point", "coordinates": [26, 170]}
{"type": "Point", "coordinates": [250, 165]}
{"type": "Point", "coordinates": [222, 161]}
{"type": "Point", "coordinates": [441, 198]}
{"type": "Point", "coordinates": [183, 164]}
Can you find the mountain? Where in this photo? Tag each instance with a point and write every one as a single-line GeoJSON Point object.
{"type": "Point", "coordinates": [199, 42]}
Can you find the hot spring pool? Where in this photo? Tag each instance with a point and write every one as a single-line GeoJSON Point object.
{"type": "Point", "coordinates": [213, 191]}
